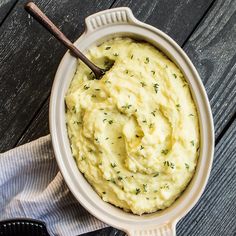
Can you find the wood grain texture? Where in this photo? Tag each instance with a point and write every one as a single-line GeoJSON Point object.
{"type": "Point", "coordinates": [5, 8]}
{"type": "Point", "coordinates": [177, 18]}
{"type": "Point", "coordinates": [29, 57]}
{"type": "Point", "coordinates": [155, 13]}
{"type": "Point", "coordinates": [214, 214]}
{"type": "Point", "coordinates": [212, 50]}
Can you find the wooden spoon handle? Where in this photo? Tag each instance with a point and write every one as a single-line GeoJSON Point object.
{"type": "Point", "coordinates": [34, 11]}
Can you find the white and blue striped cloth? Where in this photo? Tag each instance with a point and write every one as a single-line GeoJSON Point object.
{"type": "Point", "coordinates": [31, 186]}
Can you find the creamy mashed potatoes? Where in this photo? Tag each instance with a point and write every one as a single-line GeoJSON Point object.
{"type": "Point", "coordinates": [134, 134]}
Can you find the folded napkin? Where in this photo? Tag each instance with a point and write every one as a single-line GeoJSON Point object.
{"type": "Point", "coordinates": [32, 186]}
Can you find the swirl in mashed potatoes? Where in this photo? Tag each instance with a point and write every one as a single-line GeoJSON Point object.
{"type": "Point", "coordinates": [134, 134]}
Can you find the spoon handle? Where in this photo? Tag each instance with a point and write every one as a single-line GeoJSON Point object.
{"type": "Point", "coordinates": [35, 12]}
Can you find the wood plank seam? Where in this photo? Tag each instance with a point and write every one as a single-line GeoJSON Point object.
{"type": "Point", "coordinates": [5, 17]}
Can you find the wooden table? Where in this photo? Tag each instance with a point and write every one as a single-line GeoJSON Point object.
{"type": "Point", "coordinates": [206, 29]}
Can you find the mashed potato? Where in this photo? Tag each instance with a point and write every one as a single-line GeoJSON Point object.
{"type": "Point", "coordinates": [134, 134]}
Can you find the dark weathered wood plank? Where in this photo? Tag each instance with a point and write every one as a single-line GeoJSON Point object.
{"type": "Point", "coordinates": [29, 57]}
{"type": "Point", "coordinates": [214, 215]}
{"type": "Point", "coordinates": [5, 7]}
{"type": "Point", "coordinates": [212, 50]}
{"type": "Point", "coordinates": [202, 48]}
{"type": "Point", "coordinates": [177, 18]}
{"type": "Point", "coordinates": [156, 13]}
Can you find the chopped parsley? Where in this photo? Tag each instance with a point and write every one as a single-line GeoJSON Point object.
{"type": "Point", "coordinates": [104, 192]}
{"type": "Point", "coordinates": [153, 72]}
{"type": "Point", "coordinates": [107, 48]}
{"type": "Point", "coordinates": [156, 87]}
{"type": "Point", "coordinates": [113, 165]}
{"type": "Point", "coordinates": [192, 142]}
{"type": "Point", "coordinates": [86, 87]}
{"type": "Point", "coordinates": [120, 178]}
{"type": "Point", "coordinates": [146, 60]}
{"type": "Point", "coordinates": [119, 137]}
{"type": "Point", "coordinates": [153, 113]}
{"type": "Point", "coordinates": [93, 96]}
{"type": "Point", "coordinates": [175, 76]}
{"type": "Point", "coordinates": [110, 122]}
{"type": "Point", "coordinates": [145, 187]}
{"type": "Point", "coordinates": [131, 56]}
{"type": "Point", "coordinates": [165, 151]}
{"type": "Point", "coordinates": [169, 164]}
{"type": "Point", "coordinates": [191, 115]}
{"type": "Point", "coordinates": [155, 175]}
{"type": "Point", "coordinates": [186, 166]}
{"type": "Point", "coordinates": [127, 106]}
{"type": "Point", "coordinates": [104, 120]}
{"type": "Point", "coordinates": [143, 84]}
{"type": "Point", "coordinates": [137, 191]}
{"type": "Point", "coordinates": [141, 147]}
{"type": "Point", "coordinates": [151, 125]}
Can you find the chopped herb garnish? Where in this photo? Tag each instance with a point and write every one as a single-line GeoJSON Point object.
{"type": "Point", "coordinates": [135, 110]}
{"type": "Point", "coordinates": [90, 150]}
{"type": "Point", "coordinates": [156, 174]}
{"type": "Point", "coordinates": [96, 139]}
{"type": "Point", "coordinates": [141, 147]}
{"type": "Point", "coordinates": [145, 187]}
{"type": "Point", "coordinates": [191, 115]}
{"type": "Point", "coordinates": [144, 121]}
{"type": "Point", "coordinates": [113, 165]}
{"type": "Point", "coordinates": [116, 54]}
{"type": "Point", "coordinates": [147, 198]}
{"type": "Point", "coordinates": [107, 48]}
{"type": "Point", "coordinates": [131, 56]}
{"type": "Point", "coordinates": [153, 113]}
{"type": "Point", "coordinates": [86, 87]}
{"type": "Point", "coordinates": [93, 96]}
{"type": "Point", "coordinates": [166, 186]}
{"type": "Point", "coordinates": [110, 122]}
{"type": "Point", "coordinates": [112, 180]}
{"type": "Point", "coordinates": [146, 60]}
{"type": "Point", "coordinates": [153, 72]}
{"type": "Point", "coordinates": [83, 158]}
{"type": "Point", "coordinates": [137, 191]}
{"type": "Point", "coordinates": [175, 76]}
{"type": "Point", "coordinates": [165, 151]}
{"type": "Point", "coordinates": [151, 125]}
{"type": "Point", "coordinates": [104, 192]}
{"type": "Point", "coordinates": [169, 164]}
{"type": "Point", "coordinates": [119, 137]}
{"type": "Point", "coordinates": [192, 142]}
{"type": "Point", "coordinates": [105, 113]}
{"type": "Point", "coordinates": [127, 106]}
{"type": "Point", "coordinates": [156, 87]}
{"type": "Point", "coordinates": [120, 178]}
{"type": "Point", "coordinates": [104, 120]}
{"type": "Point", "coordinates": [118, 172]}
{"type": "Point", "coordinates": [126, 71]}
{"type": "Point", "coordinates": [137, 136]}
{"type": "Point", "coordinates": [97, 89]}
{"type": "Point", "coordinates": [143, 84]}
{"type": "Point", "coordinates": [107, 138]}
{"type": "Point", "coordinates": [187, 166]}
{"type": "Point", "coordinates": [107, 82]}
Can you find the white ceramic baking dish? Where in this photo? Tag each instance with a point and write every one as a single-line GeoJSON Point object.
{"type": "Point", "coordinates": [100, 27]}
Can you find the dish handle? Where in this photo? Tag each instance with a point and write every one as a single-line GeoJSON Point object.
{"type": "Point", "coordinates": [114, 16]}
{"type": "Point", "coordinates": [163, 230]}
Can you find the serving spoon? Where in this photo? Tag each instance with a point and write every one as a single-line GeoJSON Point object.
{"type": "Point", "coordinates": [37, 14]}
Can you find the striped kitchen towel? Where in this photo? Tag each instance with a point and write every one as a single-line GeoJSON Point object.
{"type": "Point", "coordinates": [31, 186]}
